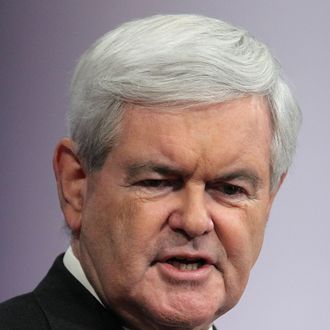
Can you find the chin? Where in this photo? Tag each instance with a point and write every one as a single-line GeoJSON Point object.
{"type": "Point", "coordinates": [182, 314]}
{"type": "Point", "coordinates": [177, 321]}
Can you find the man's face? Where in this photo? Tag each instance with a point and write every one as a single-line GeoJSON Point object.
{"type": "Point", "coordinates": [174, 221]}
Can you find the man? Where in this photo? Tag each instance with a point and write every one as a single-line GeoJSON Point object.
{"type": "Point", "coordinates": [181, 133]}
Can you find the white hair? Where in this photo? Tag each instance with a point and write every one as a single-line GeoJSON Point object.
{"type": "Point", "coordinates": [175, 60]}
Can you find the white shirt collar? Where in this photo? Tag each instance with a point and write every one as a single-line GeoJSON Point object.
{"type": "Point", "coordinates": [74, 267]}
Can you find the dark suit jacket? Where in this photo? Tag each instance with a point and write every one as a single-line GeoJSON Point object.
{"type": "Point", "coordinates": [59, 302]}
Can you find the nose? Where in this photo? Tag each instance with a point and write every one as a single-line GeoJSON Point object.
{"type": "Point", "coordinates": [192, 217]}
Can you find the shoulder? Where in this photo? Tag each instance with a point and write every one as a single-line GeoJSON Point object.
{"type": "Point", "coordinates": [59, 302]}
{"type": "Point", "coordinates": [22, 312]}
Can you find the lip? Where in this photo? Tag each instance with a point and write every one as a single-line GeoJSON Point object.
{"type": "Point", "coordinates": [171, 273]}
{"type": "Point", "coordinates": [208, 259]}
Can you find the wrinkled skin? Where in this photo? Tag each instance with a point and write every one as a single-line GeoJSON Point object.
{"type": "Point", "coordinates": [191, 184]}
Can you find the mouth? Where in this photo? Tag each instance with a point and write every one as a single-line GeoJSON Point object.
{"type": "Point", "coordinates": [185, 267]}
{"type": "Point", "coordinates": [186, 264]}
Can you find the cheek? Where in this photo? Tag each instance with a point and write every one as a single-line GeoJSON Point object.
{"type": "Point", "coordinates": [241, 233]}
{"type": "Point", "coordinates": [121, 232]}
{"type": "Point", "coordinates": [258, 221]}
{"type": "Point", "coordinates": [134, 226]}
{"type": "Point", "coordinates": [140, 220]}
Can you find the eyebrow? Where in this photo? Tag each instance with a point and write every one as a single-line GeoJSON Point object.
{"type": "Point", "coordinates": [243, 175]}
{"type": "Point", "coordinates": [135, 169]}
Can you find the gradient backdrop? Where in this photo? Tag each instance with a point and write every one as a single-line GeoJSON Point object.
{"type": "Point", "coordinates": [40, 42]}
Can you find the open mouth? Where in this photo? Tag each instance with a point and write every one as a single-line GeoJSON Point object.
{"type": "Point", "coordinates": [186, 264]}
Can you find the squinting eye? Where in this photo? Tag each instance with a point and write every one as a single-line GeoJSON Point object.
{"type": "Point", "coordinates": [159, 183]}
{"type": "Point", "coordinates": [228, 189]}
{"type": "Point", "coordinates": [152, 183]}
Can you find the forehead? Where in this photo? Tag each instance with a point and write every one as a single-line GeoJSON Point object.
{"type": "Point", "coordinates": [221, 134]}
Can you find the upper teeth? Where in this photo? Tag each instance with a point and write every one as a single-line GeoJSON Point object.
{"type": "Point", "coordinates": [184, 266]}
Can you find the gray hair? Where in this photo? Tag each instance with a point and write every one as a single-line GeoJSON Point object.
{"type": "Point", "coordinates": [175, 60]}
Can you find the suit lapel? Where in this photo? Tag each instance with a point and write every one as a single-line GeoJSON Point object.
{"type": "Point", "coordinates": [68, 305]}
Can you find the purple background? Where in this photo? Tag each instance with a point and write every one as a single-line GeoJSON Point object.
{"type": "Point", "coordinates": [40, 42]}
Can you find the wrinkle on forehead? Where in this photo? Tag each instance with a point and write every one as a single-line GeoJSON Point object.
{"type": "Point", "coordinates": [195, 117]}
{"type": "Point", "coordinates": [255, 102]}
{"type": "Point", "coordinates": [202, 136]}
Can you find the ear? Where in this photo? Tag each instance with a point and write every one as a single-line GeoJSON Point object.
{"type": "Point", "coordinates": [275, 190]}
{"type": "Point", "coordinates": [71, 183]}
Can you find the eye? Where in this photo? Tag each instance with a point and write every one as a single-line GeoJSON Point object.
{"type": "Point", "coordinates": [228, 189]}
{"type": "Point", "coordinates": [152, 183]}
{"type": "Point", "coordinates": [159, 184]}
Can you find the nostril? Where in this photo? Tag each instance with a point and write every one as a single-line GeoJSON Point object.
{"type": "Point", "coordinates": [191, 224]}
{"type": "Point", "coordinates": [210, 225]}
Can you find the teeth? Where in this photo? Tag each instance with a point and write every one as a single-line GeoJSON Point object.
{"type": "Point", "coordinates": [186, 267]}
